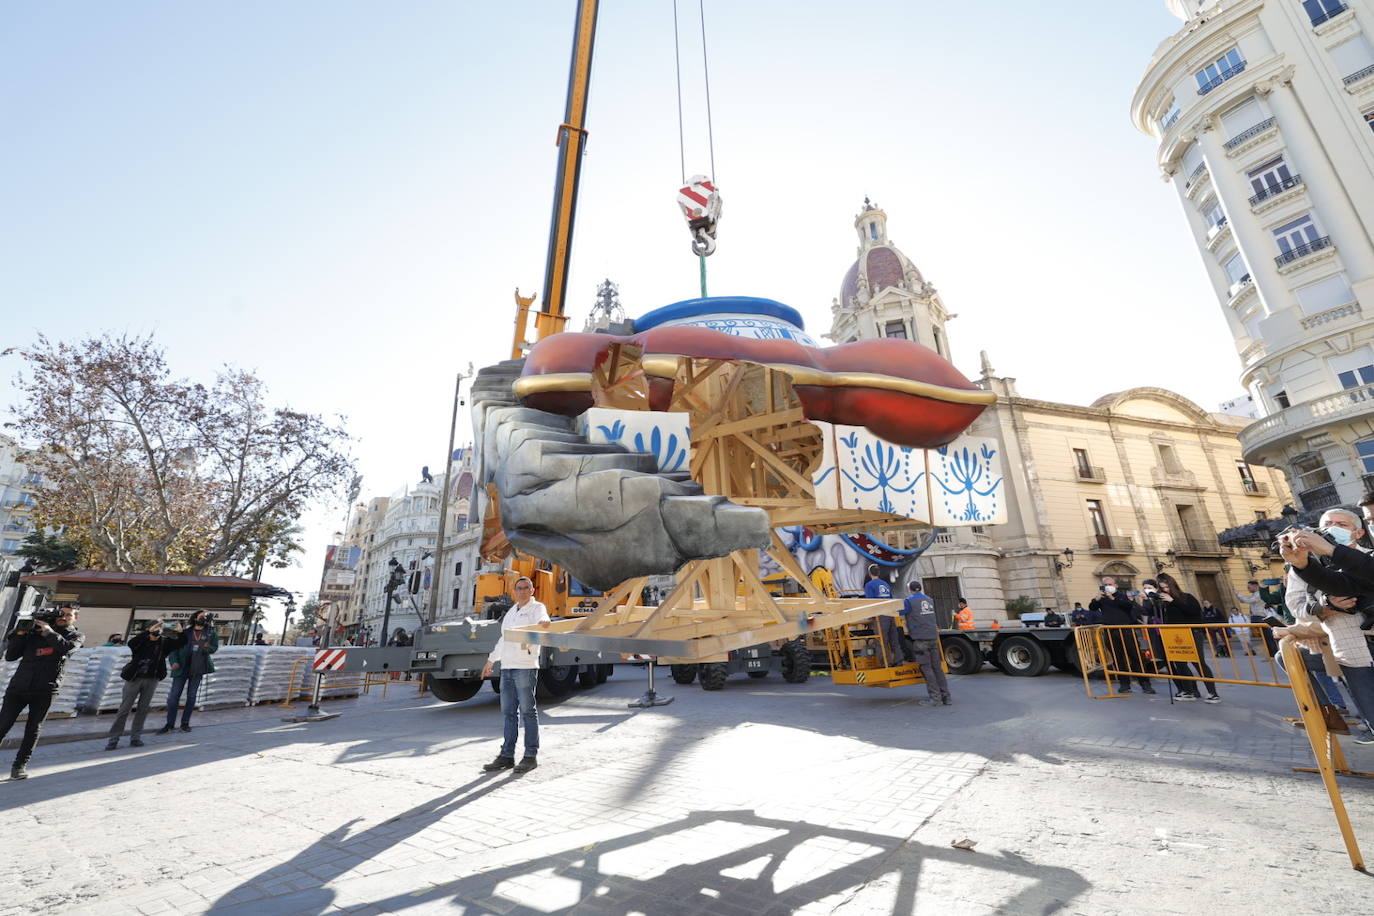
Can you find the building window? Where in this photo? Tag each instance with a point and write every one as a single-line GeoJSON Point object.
{"type": "Point", "coordinates": [1168, 458]}
{"type": "Point", "coordinates": [1170, 116]}
{"type": "Point", "coordinates": [1365, 450]}
{"type": "Point", "coordinates": [1212, 214]}
{"type": "Point", "coordinates": [1333, 292]}
{"type": "Point", "coordinates": [1081, 463]}
{"type": "Point", "coordinates": [1269, 178]}
{"type": "Point", "coordinates": [458, 568]}
{"type": "Point", "coordinates": [1241, 118]}
{"type": "Point", "coordinates": [1236, 272]}
{"type": "Point", "coordinates": [873, 231]}
{"type": "Point", "coordinates": [895, 329]}
{"type": "Point", "coordinates": [1310, 472]}
{"type": "Point", "coordinates": [1354, 59]}
{"type": "Point", "coordinates": [1281, 399]}
{"type": "Point", "coordinates": [1357, 377]}
{"type": "Point", "coordinates": [457, 597]}
{"type": "Point", "coordinates": [1259, 515]}
{"type": "Point", "coordinates": [1219, 71]}
{"type": "Point", "coordinates": [939, 343]}
{"type": "Point", "coordinates": [1295, 235]}
{"type": "Point", "coordinates": [1369, 118]}
{"type": "Point", "coordinates": [1097, 517]}
{"type": "Point", "coordinates": [1321, 10]}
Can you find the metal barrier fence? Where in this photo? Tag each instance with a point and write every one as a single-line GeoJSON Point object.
{"type": "Point", "coordinates": [365, 683]}
{"type": "Point", "coordinates": [1167, 652]}
{"type": "Point", "coordinates": [1209, 653]}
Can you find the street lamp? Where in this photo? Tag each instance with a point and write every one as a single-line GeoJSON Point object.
{"type": "Point", "coordinates": [1061, 565]}
{"type": "Point", "coordinates": [290, 612]}
{"type": "Point", "coordinates": [1172, 557]}
{"type": "Point", "coordinates": [395, 580]}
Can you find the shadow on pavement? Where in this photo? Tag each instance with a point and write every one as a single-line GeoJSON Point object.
{"type": "Point", "coordinates": [755, 849]}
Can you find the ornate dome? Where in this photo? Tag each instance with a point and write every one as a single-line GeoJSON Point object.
{"type": "Point", "coordinates": [880, 264]}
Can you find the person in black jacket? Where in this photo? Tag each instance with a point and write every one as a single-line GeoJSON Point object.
{"type": "Point", "coordinates": [141, 675]}
{"type": "Point", "coordinates": [1112, 608]}
{"type": "Point", "coordinates": [41, 650]}
{"type": "Point", "coordinates": [1181, 608]}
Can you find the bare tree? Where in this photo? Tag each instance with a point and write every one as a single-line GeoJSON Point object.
{"type": "Point", "coordinates": [154, 474]}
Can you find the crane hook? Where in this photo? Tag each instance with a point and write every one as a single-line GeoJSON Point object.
{"type": "Point", "coordinates": [700, 203]}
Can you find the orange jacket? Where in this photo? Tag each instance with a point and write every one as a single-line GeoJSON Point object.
{"type": "Point", "coordinates": [963, 618]}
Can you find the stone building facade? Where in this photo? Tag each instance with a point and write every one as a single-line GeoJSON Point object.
{"type": "Point", "coordinates": [1264, 115]}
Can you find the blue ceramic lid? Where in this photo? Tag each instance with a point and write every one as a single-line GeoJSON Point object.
{"type": "Point", "coordinates": [719, 305]}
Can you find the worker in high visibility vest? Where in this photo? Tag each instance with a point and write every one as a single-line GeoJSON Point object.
{"type": "Point", "coordinates": [963, 618]}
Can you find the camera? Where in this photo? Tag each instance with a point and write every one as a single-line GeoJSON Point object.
{"type": "Point", "coordinates": [1298, 529]}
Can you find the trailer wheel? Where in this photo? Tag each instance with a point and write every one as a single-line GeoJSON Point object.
{"type": "Point", "coordinates": [961, 655]}
{"type": "Point", "coordinates": [713, 675]}
{"type": "Point", "coordinates": [555, 682]}
{"type": "Point", "coordinates": [451, 689]}
{"type": "Point", "coordinates": [796, 662]}
{"type": "Point", "coordinates": [1070, 662]}
{"type": "Point", "coordinates": [587, 676]}
{"type": "Point", "coordinates": [1022, 656]}
{"type": "Point", "coordinates": [684, 674]}
{"type": "Point", "coordinates": [603, 672]}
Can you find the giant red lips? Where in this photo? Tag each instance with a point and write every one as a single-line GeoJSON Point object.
{"type": "Point", "coordinates": [899, 390]}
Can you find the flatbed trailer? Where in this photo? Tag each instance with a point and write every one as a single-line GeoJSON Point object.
{"type": "Point", "coordinates": [1017, 651]}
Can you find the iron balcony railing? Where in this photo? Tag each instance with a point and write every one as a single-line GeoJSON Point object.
{"type": "Point", "coordinates": [1302, 251]}
{"type": "Point", "coordinates": [1359, 75]}
{"type": "Point", "coordinates": [1112, 543]}
{"type": "Point", "coordinates": [1220, 78]}
{"type": "Point", "coordinates": [1196, 544]}
{"type": "Point", "coordinates": [1291, 181]}
{"type": "Point", "coordinates": [1321, 12]}
{"type": "Point", "coordinates": [1255, 488]}
{"type": "Point", "coordinates": [1197, 172]}
{"type": "Point", "coordinates": [1318, 498]}
{"type": "Point", "coordinates": [1249, 132]}
{"type": "Point", "coordinates": [1090, 472]}
{"type": "Point", "coordinates": [1170, 119]}
{"type": "Point", "coordinates": [1299, 418]}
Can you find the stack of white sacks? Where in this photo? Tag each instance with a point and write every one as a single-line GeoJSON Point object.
{"type": "Point", "coordinates": [105, 688]}
{"type": "Point", "coordinates": [272, 676]}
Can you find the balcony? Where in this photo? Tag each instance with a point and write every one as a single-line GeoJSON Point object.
{"type": "Point", "coordinates": [1199, 546]}
{"type": "Point", "coordinates": [1358, 75]}
{"type": "Point", "coordinates": [1197, 173]}
{"type": "Point", "coordinates": [1220, 78]}
{"type": "Point", "coordinates": [1330, 315]}
{"type": "Point", "coordinates": [1305, 417]}
{"type": "Point", "coordinates": [1092, 473]}
{"type": "Point", "coordinates": [1111, 543]}
{"type": "Point", "coordinates": [1319, 498]}
{"type": "Point", "coordinates": [1249, 132]}
{"type": "Point", "coordinates": [1302, 251]}
{"type": "Point", "coordinates": [1255, 488]}
{"type": "Point", "coordinates": [1292, 181]}
{"type": "Point", "coordinates": [1320, 15]}
{"type": "Point", "coordinates": [1170, 119]}
{"type": "Point", "coordinates": [1174, 477]}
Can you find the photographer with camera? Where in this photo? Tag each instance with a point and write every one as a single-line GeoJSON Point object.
{"type": "Point", "coordinates": [1181, 609]}
{"type": "Point", "coordinates": [1111, 608]}
{"type": "Point", "coordinates": [40, 644]}
{"type": "Point", "coordinates": [188, 663]}
{"type": "Point", "coordinates": [1328, 573]}
{"type": "Point", "coordinates": [141, 675]}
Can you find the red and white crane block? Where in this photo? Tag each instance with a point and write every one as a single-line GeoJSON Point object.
{"type": "Point", "coordinates": [329, 660]}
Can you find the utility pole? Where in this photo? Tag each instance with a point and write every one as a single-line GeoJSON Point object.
{"type": "Point", "coordinates": [443, 502]}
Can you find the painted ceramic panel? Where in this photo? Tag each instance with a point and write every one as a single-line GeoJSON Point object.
{"type": "Point", "coordinates": [858, 470]}
{"type": "Point", "coordinates": [664, 434]}
{"type": "Point", "coordinates": [967, 486]}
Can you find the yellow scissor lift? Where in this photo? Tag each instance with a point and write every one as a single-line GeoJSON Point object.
{"type": "Point", "coordinates": [858, 655]}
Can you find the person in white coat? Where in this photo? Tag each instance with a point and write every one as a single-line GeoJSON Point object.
{"type": "Point", "coordinates": [519, 670]}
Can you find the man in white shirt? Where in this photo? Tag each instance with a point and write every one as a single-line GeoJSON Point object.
{"type": "Point", "coordinates": [519, 670]}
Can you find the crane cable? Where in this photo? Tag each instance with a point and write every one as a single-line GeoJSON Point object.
{"type": "Point", "coordinates": [706, 78]}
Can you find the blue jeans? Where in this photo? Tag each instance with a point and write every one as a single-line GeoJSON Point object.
{"type": "Point", "coordinates": [1360, 683]}
{"type": "Point", "coordinates": [517, 705]}
{"type": "Point", "coordinates": [174, 696]}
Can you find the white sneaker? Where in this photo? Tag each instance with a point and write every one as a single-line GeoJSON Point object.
{"type": "Point", "coordinates": [1212, 699]}
{"type": "Point", "coordinates": [1186, 697]}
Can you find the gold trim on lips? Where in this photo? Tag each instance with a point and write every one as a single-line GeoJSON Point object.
{"type": "Point", "coordinates": [665, 366]}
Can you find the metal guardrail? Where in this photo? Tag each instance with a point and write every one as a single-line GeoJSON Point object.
{"type": "Point", "coordinates": [1220, 78]}
{"type": "Point", "coordinates": [1303, 250]}
{"type": "Point", "coordinates": [1291, 181]}
{"type": "Point", "coordinates": [1359, 75]}
{"type": "Point", "coordinates": [1249, 132]}
{"type": "Point", "coordinates": [1326, 13]}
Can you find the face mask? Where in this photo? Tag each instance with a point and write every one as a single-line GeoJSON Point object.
{"type": "Point", "coordinates": [1339, 535]}
{"type": "Point", "coordinates": [1109, 589]}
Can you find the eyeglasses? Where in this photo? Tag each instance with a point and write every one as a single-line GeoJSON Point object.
{"type": "Point", "coordinates": [523, 588]}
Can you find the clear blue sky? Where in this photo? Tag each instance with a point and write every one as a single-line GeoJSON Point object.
{"type": "Point", "coordinates": [343, 195]}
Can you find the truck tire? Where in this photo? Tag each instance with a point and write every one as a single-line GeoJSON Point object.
{"type": "Point", "coordinates": [756, 675]}
{"type": "Point", "coordinates": [587, 676]}
{"type": "Point", "coordinates": [555, 682]}
{"type": "Point", "coordinates": [1022, 656]}
{"type": "Point", "coordinates": [796, 662]}
{"type": "Point", "coordinates": [603, 672]}
{"type": "Point", "coordinates": [495, 684]}
{"type": "Point", "coordinates": [684, 674]}
{"type": "Point", "coordinates": [1070, 656]}
{"type": "Point", "coordinates": [962, 656]}
{"type": "Point", "coordinates": [451, 689]}
{"type": "Point", "coordinates": [713, 675]}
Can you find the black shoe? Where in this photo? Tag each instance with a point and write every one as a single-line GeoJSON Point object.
{"type": "Point", "coordinates": [1123, 690]}
{"type": "Point", "coordinates": [135, 742]}
{"type": "Point", "coordinates": [164, 729]}
{"type": "Point", "coordinates": [500, 763]}
{"type": "Point", "coordinates": [1148, 689]}
{"type": "Point", "coordinates": [928, 702]}
{"type": "Point", "coordinates": [947, 701]}
{"type": "Point", "coordinates": [18, 772]}
{"type": "Point", "coordinates": [112, 744]}
{"type": "Point", "coordinates": [186, 728]}
{"type": "Point", "coordinates": [526, 764]}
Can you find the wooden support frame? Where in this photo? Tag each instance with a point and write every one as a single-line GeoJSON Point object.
{"type": "Point", "coordinates": [752, 444]}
